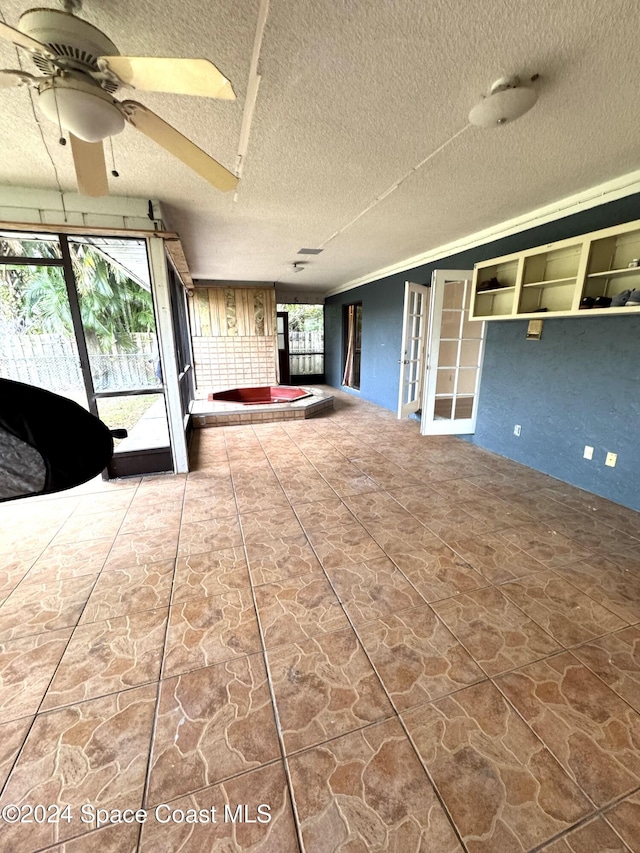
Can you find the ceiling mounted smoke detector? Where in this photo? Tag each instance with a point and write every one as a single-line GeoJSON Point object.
{"type": "Point", "coordinates": [506, 101]}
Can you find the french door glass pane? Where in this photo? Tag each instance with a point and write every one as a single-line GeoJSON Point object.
{"type": "Point", "coordinates": [471, 330]}
{"type": "Point", "coordinates": [410, 392]}
{"type": "Point", "coordinates": [450, 324]}
{"type": "Point", "coordinates": [448, 353]}
{"type": "Point", "coordinates": [453, 295]}
{"type": "Point", "coordinates": [443, 408]}
{"type": "Point", "coordinates": [470, 353]}
{"type": "Point", "coordinates": [464, 408]}
{"type": "Point", "coordinates": [467, 380]}
{"type": "Point", "coordinates": [445, 381]}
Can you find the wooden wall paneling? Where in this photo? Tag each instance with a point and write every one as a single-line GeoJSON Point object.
{"type": "Point", "coordinates": [194, 320]}
{"type": "Point", "coordinates": [248, 313]}
{"type": "Point", "coordinates": [270, 313]}
{"type": "Point", "coordinates": [231, 311]}
{"type": "Point", "coordinates": [258, 311]}
{"type": "Point", "coordinates": [217, 311]}
{"type": "Point", "coordinates": [242, 313]}
{"type": "Point", "coordinates": [202, 311]}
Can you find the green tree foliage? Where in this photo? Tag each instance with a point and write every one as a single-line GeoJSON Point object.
{"type": "Point", "coordinates": [303, 318]}
{"type": "Point", "coordinates": [112, 305]}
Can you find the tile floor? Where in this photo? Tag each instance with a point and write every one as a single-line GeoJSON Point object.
{"type": "Point", "coordinates": [365, 639]}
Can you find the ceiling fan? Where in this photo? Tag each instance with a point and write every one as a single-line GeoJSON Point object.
{"type": "Point", "coordinates": [82, 68]}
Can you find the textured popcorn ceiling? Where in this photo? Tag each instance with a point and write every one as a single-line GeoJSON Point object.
{"type": "Point", "coordinates": [354, 94]}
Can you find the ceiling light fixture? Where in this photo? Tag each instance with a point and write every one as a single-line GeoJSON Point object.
{"type": "Point", "coordinates": [84, 109]}
{"type": "Point", "coordinates": [507, 100]}
{"type": "Point", "coordinates": [297, 266]}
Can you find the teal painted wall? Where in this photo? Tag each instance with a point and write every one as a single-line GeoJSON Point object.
{"type": "Point", "coordinates": [580, 384]}
{"type": "Point", "coordinates": [382, 304]}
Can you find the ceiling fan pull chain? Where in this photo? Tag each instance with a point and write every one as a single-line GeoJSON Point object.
{"type": "Point", "coordinates": [61, 139]}
{"type": "Point", "coordinates": [114, 171]}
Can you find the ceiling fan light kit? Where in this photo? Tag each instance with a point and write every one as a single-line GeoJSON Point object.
{"type": "Point", "coordinates": [81, 68]}
{"type": "Point", "coordinates": [84, 110]}
{"type": "Point", "coordinates": [507, 100]}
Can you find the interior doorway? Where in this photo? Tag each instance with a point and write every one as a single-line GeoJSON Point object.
{"type": "Point", "coordinates": [352, 344]}
{"type": "Point", "coordinates": [304, 338]}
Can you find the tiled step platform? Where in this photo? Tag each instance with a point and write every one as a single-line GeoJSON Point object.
{"type": "Point", "coordinates": [213, 413]}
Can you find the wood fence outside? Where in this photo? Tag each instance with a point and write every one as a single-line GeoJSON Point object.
{"type": "Point", "coordinates": [306, 353]}
{"type": "Point", "coordinates": [52, 361]}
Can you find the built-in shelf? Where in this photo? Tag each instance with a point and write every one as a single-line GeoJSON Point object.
{"type": "Point", "coordinates": [552, 280]}
{"type": "Point", "coordinates": [550, 283]}
{"type": "Point", "coordinates": [607, 273]}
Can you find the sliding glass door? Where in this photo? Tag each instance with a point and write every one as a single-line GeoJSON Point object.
{"type": "Point", "coordinates": [77, 318]}
{"type": "Point", "coordinates": [118, 325]}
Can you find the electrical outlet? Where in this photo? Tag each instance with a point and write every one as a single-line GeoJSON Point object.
{"type": "Point", "coordinates": [588, 452]}
{"type": "Point", "coordinates": [611, 460]}
{"type": "Point", "coordinates": [517, 430]}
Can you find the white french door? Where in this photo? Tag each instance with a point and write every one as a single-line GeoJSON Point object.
{"type": "Point", "coordinates": [414, 330]}
{"type": "Point", "coordinates": [454, 357]}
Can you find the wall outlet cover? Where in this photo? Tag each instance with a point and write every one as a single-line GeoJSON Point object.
{"type": "Point", "coordinates": [517, 430]}
{"type": "Point", "coordinates": [588, 452]}
{"type": "Point", "coordinates": [611, 460]}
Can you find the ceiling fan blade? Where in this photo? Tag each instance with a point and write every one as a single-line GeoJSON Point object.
{"type": "Point", "coordinates": [16, 78]}
{"type": "Point", "coordinates": [23, 40]}
{"type": "Point", "coordinates": [91, 169]}
{"type": "Point", "coordinates": [175, 143]}
{"type": "Point", "coordinates": [179, 76]}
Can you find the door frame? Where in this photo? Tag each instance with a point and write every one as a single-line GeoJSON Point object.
{"type": "Point", "coordinates": [284, 369]}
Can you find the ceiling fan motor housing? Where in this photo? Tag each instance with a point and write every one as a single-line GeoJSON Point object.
{"type": "Point", "coordinates": [76, 43]}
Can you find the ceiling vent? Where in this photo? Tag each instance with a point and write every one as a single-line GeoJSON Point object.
{"type": "Point", "coordinates": [310, 251]}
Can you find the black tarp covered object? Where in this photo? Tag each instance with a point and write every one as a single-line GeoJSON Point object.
{"type": "Point", "coordinates": [47, 442]}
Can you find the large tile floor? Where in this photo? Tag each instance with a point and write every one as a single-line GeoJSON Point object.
{"type": "Point", "coordinates": [377, 640]}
